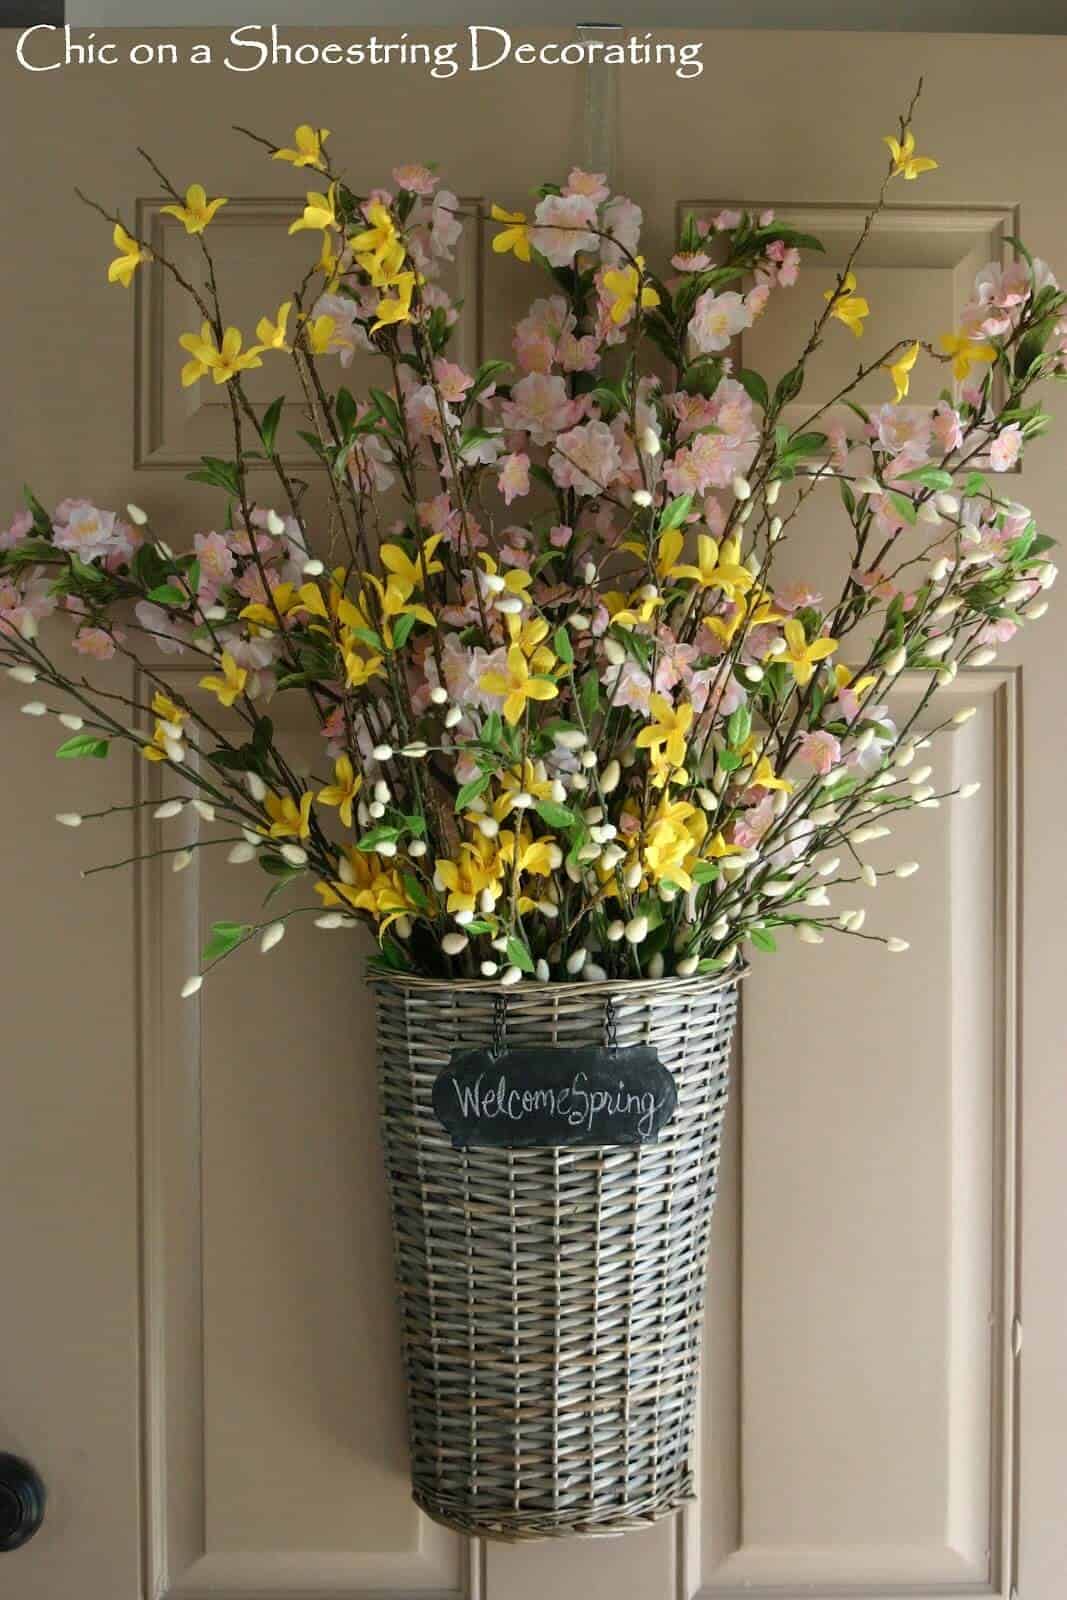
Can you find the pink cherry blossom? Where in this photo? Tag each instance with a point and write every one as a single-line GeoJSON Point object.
{"type": "Point", "coordinates": [88, 533]}
{"type": "Point", "coordinates": [594, 185]}
{"type": "Point", "coordinates": [690, 261]}
{"type": "Point", "coordinates": [445, 227]}
{"type": "Point", "coordinates": [561, 230]}
{"type": "Point", "coordinates": [216, 565]}
{"type": "Point", "coordinates": [540, 406]}
{"type": "Point", "coordinates": [902, 429]}
{"type": "Point", "coordinates": [586, 459]}
{"type": "Point", "coordinates": [716, 319]}
{"type": "Point", "coordinates": [514, 476]}
{"type": "Point", "coordinates": [16, 531]}
{"type": "Point", "coordinates": [166, 635]}
{"type": "Point", "coordinates": [793, 596]}
{"type": "Point", "coordinates": [753, 823]}
{"type": "Point", "coordinates": [452, 381]}
{"type": "Point", "coordinates": [1005, 449]}
{"type": "Point", "coordinates": [415, 178]}
{"type": "Point", "coordinates": [820, 751]}
{"type": "Point", "coordinates": [95, 642]}
{"type": "Point", "coordinates": [622, 219]}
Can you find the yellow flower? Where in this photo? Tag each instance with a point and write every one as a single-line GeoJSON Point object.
{"type": "Point", "coordinates": [906, 164]}
{"type": "Point", "coordinates": [359, 670]}
{"type": "Point", "coordinates": [719, 567]}
{"type": "Point", "coordinates": [623, 610]}
{"type": "Point", "coordinates": [287, 819]}
{"type": "Point", "coordinates": [168, 730]}
{"type": "Point", "coordinates": [516, 580]}
{"type": "Point", "coordinates": [763, 775]}
{"type": "Point", "coordinates": [393, 601]}
{"type": "Point", "coordinates": [342, 792]}
{"type": "Point", "coordinates": [515, 237]}
{"type": "Point", "coordinates": [848, 306]}
{"type": "Point", "coordinates": [197, 211]}
{"type": "Point", "coordinates": [622, 286]}
{"type": "Point", "coordinates": [845, 678]}
{"type": "Point", "coordinates": [284, 597]}
{"type": "Point", "coordinates": [271, 335]}
{"type": "Point", "coordinates": [131, 255]}
{"type": "Point", "coordinates": [230, 685]}
{"type": "Point", "coordinates": [397, 561]}
{"type": "Point", "coordinates": [518, 685]}
{"type": "Point", "coordinates": [396, 308]}
{"type": "Point", "coordinates": [528, 633]}
{"type": "Point", "coordinates": [900, 371]}
{"type": "Point", "coordinates": [465, 879]}
{"type": "Point", "coordinates": [319, 332]}
{"type": "Point", "coordinates": [223, 361]}
{"type": "Point", "coordinates": [668, 731]}
{"type": "Point", "coordinates": [320, 211]}
{"type": "Point", "coordinates": [802, 656]}
{"type": "Point", "coordinates": [672, 838]}
{"type": "Point", "coordinates": [308, 153]}
{"type": "Point", "coordinates": [377, 245]}
{"type": "Point", "coordinates": [965, 353]}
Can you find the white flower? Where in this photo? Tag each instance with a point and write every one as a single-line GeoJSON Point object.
{"type": "Point", "coordinates": [272, 934]}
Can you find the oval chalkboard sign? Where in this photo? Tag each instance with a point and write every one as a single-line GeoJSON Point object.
{"type": "Point", "coordinates": [547, 1097]}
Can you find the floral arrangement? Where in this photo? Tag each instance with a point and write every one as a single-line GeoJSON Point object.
{"type": "Point", "coordinates": [572, 727]}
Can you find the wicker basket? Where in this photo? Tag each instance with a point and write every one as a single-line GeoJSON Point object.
{"type": "Point", "coordinates": [552, 1299]}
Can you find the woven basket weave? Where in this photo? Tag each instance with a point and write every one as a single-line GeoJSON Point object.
{"type": "Point", "coordinates": [551, 1299]}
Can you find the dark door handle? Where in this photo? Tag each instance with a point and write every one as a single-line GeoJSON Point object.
{"type": "Point", "coordinates": [22, 1498]}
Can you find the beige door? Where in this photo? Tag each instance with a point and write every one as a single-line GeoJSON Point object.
{"type": "Point", "coordinates": [198, 1340]}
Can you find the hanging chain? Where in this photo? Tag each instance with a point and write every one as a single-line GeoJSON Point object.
{"type": "Point", "coordinates": [611, 1025]}
{"type": "Point", "coordinates": [500, 1012]}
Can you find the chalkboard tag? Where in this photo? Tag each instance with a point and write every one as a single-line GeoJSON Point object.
{"type": "Point", "coordinates": [548, 1097]}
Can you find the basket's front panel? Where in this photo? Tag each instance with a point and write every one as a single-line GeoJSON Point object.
{"type": "Point", "coordinates": [552, 1298]}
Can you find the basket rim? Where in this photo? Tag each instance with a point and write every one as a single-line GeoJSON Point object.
{"type": "Point", "coordinates": [680, 987]}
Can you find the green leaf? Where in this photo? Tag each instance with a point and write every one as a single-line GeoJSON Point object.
{"type": "Point", "coordinates": [705, 872]}
{"type": "Point", "coordinates": [387, 408]}
{"type": "Point", "coordinates": [225, 936]}
{"type": "Point", "coordinates": [402, 630]}
{"type": "Point", "coordinates": [675, 513]}
{"type": "Point", "coordinates": [564, 649]}
{"type": "Point", "coordinates": [369, 637]}
{"type": "Point", "coordinates": [804, 444]}
{"type": "Point", "coordinates": [905, 507]}
{"type": "Point", "coordinates": [167, 594]}
{"type": "Point", "coordinates": [754, 386]}
{"type": "Point", "coordinates": [793, 236]}
{"type": "Point", "coordinates": [763, 940]}
{"type": "Point", "coordinates": [42, 522]}
{"type": "Point", "coordinates": [221, 474]}
{"type": "Point", "coordinates": [739, 725]}
{"type": "Point", "coordinates": [589, 696]}
{"type": "Point", "coordinates": [268, 427]}
{"type": "Point", "coordinates": [277, 866]}
{"type": "Point", "coordinates": [470, 791]}
{"type": "Point", "coordinates": [929, 477]}
{"type": "Point", "coordinates": [385, 834]}
{"type": "Point", "coordinates": [703, 376]}
{"type": "Point", "coordinates": [519, 956]}
{"type": "Point", "coordinates": [84, 744]}
{"type": "Point", "coordinates": [415, 891]}
{"type": "Point", "coordinates": [729, 760]}
{"type": "Point", "coordinates": [555, 815]}
{"type": "Point", "coordinates": [789, 386]}
{"type": "Point", "coordinates": [487, 374]}
{"type": "Point", "coordinates": [347, 411]}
